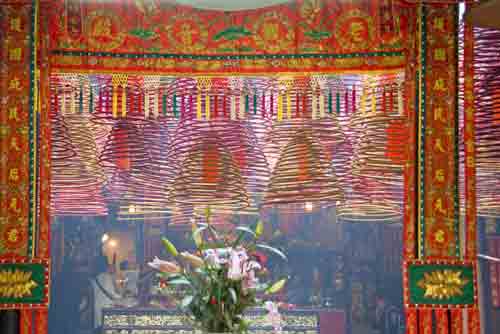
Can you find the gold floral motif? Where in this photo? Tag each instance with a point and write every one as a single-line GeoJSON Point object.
{"type": "Point", "coordinates": [16, 283]}
{"type": "Point", "coordinates": [354, 31]}
{"type": "Point", "coordinates": [443, 284]}
{"type": "Point", "coordinates": [103, 30]}
{"type": "Point", "coordinates": [273, 33]}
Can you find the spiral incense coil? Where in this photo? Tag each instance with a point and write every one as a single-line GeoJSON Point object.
{"type": "Point", "coordinates": [303, 174]}
{"type": "Point", "coordinates": [124, 154]}
{"type": "Point", "coordinates": [209, 177]}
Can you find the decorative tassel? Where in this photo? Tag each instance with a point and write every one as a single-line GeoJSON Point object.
{"type": "Point", "coordinates": [164, 105]}
{"type": "Point", "coordinates": [374, 101]}
{"type": "Point", "coordinates": [338, 102]}
{"type": "Point", "coordinates": [321, 105]}
{"type": "Point", "coordinates": [242, 107]}
{"type": "Point", "coordinates": [124, 101]}
{"type": "Point", "coordinates": [156, 103]}
{"type": "Point", "coordinates": [288, 105]}
{"type": "Point", "coordinates": [346, 102]}
{"type": "Point", "coordinates": [73, 102]}
{"type": "Point", "coordinates": [330, 102]}
{"type": "Point", "coordinates": [425, 321]}
{"type": "Point", "coordinates": [263, 103]}
{"type": "Point", "coordinates": [191, 106]}
{"type": "Point", "coordinates": [271, 105]}
{"type": "Point", "coordinates": [473, 321]}
{"type": "Point", "coordinates": [400, 102]}
{"type": "Point", "coordinates": [304, 105]}
{"type": "Point", "coordinates": [115, 102]}
{"type": "Point", "coordinates": [280, 108]}
{"type": "Point", "coordinates": [224, 106]}
{"type": "Point", "coordinates": [456, 323]}
{"type": "Point", "coordinates": [198, 105]}
{"type": "Point", "coordinates": [247, 104]}
{"type": "Point", "coordinates": [314, 105]}
{"type": "Point", "coordinates": [391, 99]}
{"type": "Point", "coordinates": [63, 103]}
{"type": "Point", "coordinates": [233, 108]}
{"type": "Point", "coordinates": [174, 105]}
{"type": "Point", "coordinates": [411, 321]}
{"type": "Point", "coordinates": [353, 103]}
{"type": "Point", "coordinates": [362, 104]}
{"type": "Point", "coordinates": [297, 105]}
{"type": "Point", "coordinates": [216, 106]}
{"type": "Point", "coordinates": [80, 102]}
{"type": "Point", "coordinates": [255, 103]}
{"type": "Point", "coordinates": [91, 100]}
{"type": "Point", "coordinates": [146, 104]}
{"type": "Point", "coordinates": [384, 100]}
{"type": "Point", "coordinates": [207, 107]}
{"type": "Point", "coordinates": [100, 100]}
{"type": "Point", "coordinates": [183, 106]}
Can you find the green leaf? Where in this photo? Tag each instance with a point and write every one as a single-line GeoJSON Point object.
{"type": "Point", "coordinates": [170, 247]}
{"type": "Point", "coordinates": [186, 301]}
{"type": "Point", "coordinates": [317, 35]}
{"type": "Point", "coordinates": [259, 229]}
{"type": "Point", "coordinates": [276, 286]}
{"type": "Point", "coordinates": [232, 33]}
{"type": "Point", "coordinates": [233, 295]}
{"type": "Point", "coordinates": [142, 33]}
{"type": "Point", "coordinates": [273, 250]}
{"type": "Point", "coordinates": [179, 281]}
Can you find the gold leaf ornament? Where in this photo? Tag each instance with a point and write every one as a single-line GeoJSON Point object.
{"type": "Point", "coordinates": [16, 284]}
{"type": "Point", "coordinates": [443, 284]}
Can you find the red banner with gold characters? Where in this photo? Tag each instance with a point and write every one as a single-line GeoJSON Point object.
{"type": "Point", "coordinates": [163, 37]}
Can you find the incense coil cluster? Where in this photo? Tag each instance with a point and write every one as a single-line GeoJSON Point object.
{"type": "Point", "coordinates": [75, 188]}
{"type": "Point", "coordinates": [487, 121]}
{"type": "Point", "coordinates": [303, 174]}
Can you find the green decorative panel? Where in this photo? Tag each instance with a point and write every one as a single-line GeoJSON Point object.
{"type": "Point", "coordinates": [24, 283]}
{"type": "Point", "coordinates": [440, 283]}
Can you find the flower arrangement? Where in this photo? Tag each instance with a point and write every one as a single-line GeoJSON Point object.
{"type": "Point", "coordinates": [222, 278]}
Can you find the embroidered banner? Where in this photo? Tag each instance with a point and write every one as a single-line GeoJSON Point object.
{"type": "Point", "coordinates": [159, 37]}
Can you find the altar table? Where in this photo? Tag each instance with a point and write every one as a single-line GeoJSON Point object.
{"type": "Point", "coordinates": [172, 321]}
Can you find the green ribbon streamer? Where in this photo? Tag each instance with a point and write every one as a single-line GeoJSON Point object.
{"type": "Point", "coordinates": [174, 102]}
{"type": "Point", "coordinates": [255, 103]}
{"type": "Point", "coordinates": [338, 103]}
{"type": "Point", "coordinates": [247, 104]}
{"type": "Point", "coordinates": [164, 104]}
{"type": "Point", "coordinates": [330, 106]}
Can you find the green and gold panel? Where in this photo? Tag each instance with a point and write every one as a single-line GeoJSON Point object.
{"type": "Point", "coordinates": [440, 284]}
{"type": "Point", "coordinates": [24, 283]}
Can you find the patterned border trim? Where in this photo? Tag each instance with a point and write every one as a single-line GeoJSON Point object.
{"type": "Point", "coordinates": [437, 262]}
{"type": "Point", "coordinates": [32, 216]}
{"type": "Point", "coordinates": [46, 300]}
{"type": "Point", "coordinates": [227, 57]}
{"type": "Point", "coordinates": [421, 115]}
{"type": "Point", "coordinates": [456, 200]}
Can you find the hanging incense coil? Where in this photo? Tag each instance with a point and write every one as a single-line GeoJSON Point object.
{"type": "Point", "coordinates": [124, 154]}
{"type": "Point", "coordinates": [209, 177]}
{"type": "Point", "coordinates": [303, 174]}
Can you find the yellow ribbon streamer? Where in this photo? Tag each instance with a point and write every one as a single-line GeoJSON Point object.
{"type": "Point", "coordinates": [198, 106]}
{"type": "Point", "coordinates": [400, 102]}
{"type": "Point", "coordinates": [288, 105]}
{"type": "Point", "coordinates": [63, 103]}
{"type": "Point", "coordinates": [374, 101]}
{"type": "Point", "coordinates": [314, 106]}
{"type": "Point", "coordinates": [73, 103]}
{"type": "Point", "coordinates": [321, 106]}
{"type": "Point", "coordinates": [280, 107]}
{"type": "Point", "coordinates": [207, 107]}
{"type": "Point", "coordinates": [124, 101]}
{"type": "Point", "coordinates": [233, 108]}
{"type": "Point", "coordinates": [115, 102]}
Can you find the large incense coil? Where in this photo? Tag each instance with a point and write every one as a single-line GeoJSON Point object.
{"type": "Point", "coordinates": [209, 176]}
{"type": "Point", "coordinates": [124, 154]}
{"type": "Point", "coordinates": [303, 174]}
{"type": "Point", "coordinates": [235, 136]}
{"type": "Point", "coordinates": [487, 121]}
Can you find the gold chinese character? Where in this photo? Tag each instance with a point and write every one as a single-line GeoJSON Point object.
{"type": "Point", "coordinates": [15, 24]}
{"type": "Point", "coordinates": [439, 175]}
{"type": "Point", "coordinates": [439, 85]}
{"type": "Point", "coordinates": [13, 174]}
{"type": "Point", "coordinates": [15, 83]}
{"type": "Point", "coordinates": [438, 114]}
{"type": "Point", "coordinates": [15, 54]}
{"type": "Point", "coordinates": [438, 206]}
{"type": "Point", "coordinates": [13, 235]}
{"type": "Point", "coordinates": [440, 54]}
{"type": "Point", "coordinates": [438, 146]}
{"type": "Point", "coordinates": [438, 23]}
{"type": "Point", "coordinates": [14, 145]}
{"type": "Point", "coordinates": [13, 205]}
{"type": "Point", "coordinates": [13, 113]}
